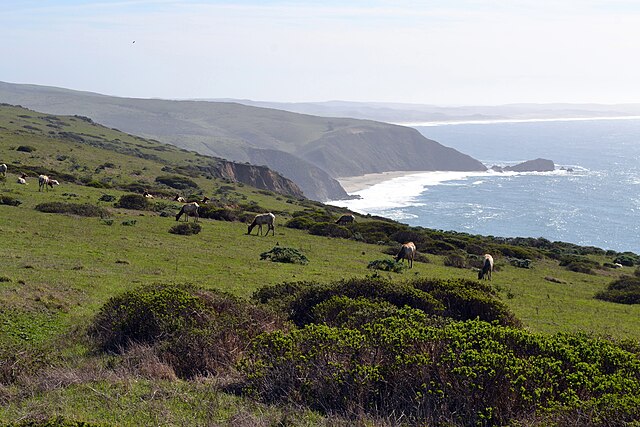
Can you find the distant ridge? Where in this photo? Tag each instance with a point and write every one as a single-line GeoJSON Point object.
{"type": "Point", "coordinates": [311, 151]}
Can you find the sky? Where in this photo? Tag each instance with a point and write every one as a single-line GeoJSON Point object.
{"type": "Point", "coordinates": [454, 52]}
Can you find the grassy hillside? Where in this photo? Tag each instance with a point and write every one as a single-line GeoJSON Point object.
{"type": "Point", "coordinates": [58, 270]}
{"type": "Point", "coordinates": [306, 149]}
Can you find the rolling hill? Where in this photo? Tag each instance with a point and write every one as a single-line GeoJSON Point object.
{"type": "Point", "coordinates": [548, 351]}
{"type": "Point", "coordinates": [311, 151]}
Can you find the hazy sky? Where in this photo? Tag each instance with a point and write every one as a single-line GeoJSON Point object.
{"type": "Point", "coordinates": [433, 52]}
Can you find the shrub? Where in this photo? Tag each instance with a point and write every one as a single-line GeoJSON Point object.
{"type": "Point", "coordinates": [129, 222]}
{"type": "Point", "coordinates": [72, 209]}
{"type": "Point", "coordinates": [298, 300]}
{"type": "Point", "coordinates": [628, 259]}
{"type": "Point", "coordinates": [625, 290]}
{"type": "Point", "coordinates": [329, 229]}
{"type": "Point", "coordinates": [134, 201]}
{"type": "Point", "coordinates": [107, 198]}
{"type": "Point", "coordinates": [341, 311]}
{"type": "Point", "coordinates": [196, 331]}
{"type": "Point", "coordinates": [285, 255]}
{"type": "Point", "coordinates": [186, 228]}
{"type": "Point", "coordinates": [455, 260]}
{"type": "Point", "coordinates": [300, 223]}
{"type": "Point", "coordinates": [387, 265]}
{"type": "Point", "coordinates": [26, 148]}
{"type": "Point", "coordinates": [8, 200]}
{"type": "Point", "coordinates": [467, 373]}
{"type": "Point", "coordinates": [176, 181]}
{"type": "Point", "coordinates": [219, 214]}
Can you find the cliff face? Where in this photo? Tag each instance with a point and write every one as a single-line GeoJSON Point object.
{"type": "Point", "coordinates": [257, 176]}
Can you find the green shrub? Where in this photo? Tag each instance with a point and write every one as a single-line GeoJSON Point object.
{"type": "Point", "coordinates": [72, 209]}
{"type": "Point", "coordinates": [468, 373]}
{"type": "Point", "coordinates": [219, 214]}
{"type": "Point", "coordinates": [196, 331]}
{"type": "Point", "coordinates": [455, 260]}
{"type": "Point", "coordinates": [186, 228]}
{"type": "Point", "coordinates": [26, 148]}
{"type": "Point", "coordinates": [107, 198]}
{"type": "Point", "coordinates": [628, 259]}
{"type": "Point", "coordinates": [134, 201]}
{"type": "Point", "coordinates": [176, 181]}
{"type": "Point", "coordinates": [300, 223]}
{"type": "Point", "coordinates": [625, 290]}
{"type": "Point", "coordinates": [298, 300]}
{"type": "Point", "coordinates": [129, 222]}
{"type": "Point", "coordinates": [285, 255]}
{"type": "Point", "coordinates": [8, 200]}
{"type": "Point", "coordinates": [387, 265]}
{"type": "Point", "coordinates": [330, 229]}
{"type": "Point", "coordinates": [341, 311]}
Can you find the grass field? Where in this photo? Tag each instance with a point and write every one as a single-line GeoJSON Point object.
{"type": "Point", "coordinates": [58, 270]}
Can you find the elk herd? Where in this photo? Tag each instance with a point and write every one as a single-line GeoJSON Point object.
{"type": "Point", "coordinates": [190, 209]}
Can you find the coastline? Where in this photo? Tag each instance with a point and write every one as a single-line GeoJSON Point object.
{"type": "Point", "coordinates": [353, 184]}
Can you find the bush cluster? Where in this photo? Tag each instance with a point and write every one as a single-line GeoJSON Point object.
{"type": "Point", "coordinates": [387, 265]}
{"type": "Point", "coordinates": [176, 181]}
{"type": "Point", "coordinates": [8, 200]}
{"type": "Point", "coordinates": [451, 373]}
{"type": "Point", "coordinates": [80, 209]}
{"type": "Point", "coordinates": [285, 255]}
{"type": "Point", "coordinates": [625, 290]}
{"type": "Point", "coordinates": [195, 331]}
{"type": "Point", "coordinates": [186, 228]}
{"type": "Point", "coordinates": [134, 201]}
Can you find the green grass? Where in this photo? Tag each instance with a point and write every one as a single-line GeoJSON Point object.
{"type": "Point", "coordinates": [59, 269]}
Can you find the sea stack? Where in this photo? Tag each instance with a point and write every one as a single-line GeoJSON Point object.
{"type": "Point", "coordinates": [537, 165]}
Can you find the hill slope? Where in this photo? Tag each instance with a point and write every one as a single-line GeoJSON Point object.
{"type": "Point", "coordinates": [309, 150]}
{"type": "Point", "coordinates": [59, 270]}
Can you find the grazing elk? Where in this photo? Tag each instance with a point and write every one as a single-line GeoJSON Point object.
{"type": "Point", "coordinates": [262, 219]}
{"type": "Point", "coordinates": [45, 182]}
{"type": "Point", "coordinates": [3, 169]}
{"type": "Point", "coordinates": [487, 268]}
{"type": "Point", "coordinates": [22, 180]}
{"type": "Point", "coordinates": [180, 199]}
{"type": "Point", "coordinates": [408, 252]}
{"type": "Point", "coordinates": [147, 194]}
{"type": "Point", "coordinates": [189, 209]}
{"type": "Point", "coordinates": [346, 219]}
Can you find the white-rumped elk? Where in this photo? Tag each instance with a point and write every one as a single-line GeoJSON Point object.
{"type": "Point", "coordinates": [189, 209]}
{"type": "Point", "coordinates": [262, 219]}
{"type": "Point", "coordinates": [408, 252]}
{"type": "Point", "coordinates": [44, 182]}
{"type": "Point", "coordinates": [487, 268]}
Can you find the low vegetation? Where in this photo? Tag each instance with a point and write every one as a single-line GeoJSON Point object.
{"type": "Point", "coordinates": [106, 324]}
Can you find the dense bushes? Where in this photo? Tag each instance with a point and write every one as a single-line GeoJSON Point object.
{"type": "Point", "coordinates": [628, 259]}
{"type": "Point", "coordinates": [298, 300]}
{"type": "Point", "coordinates": [196, 331]}
{"type": "Point", "coordinates": [186, 228]}
{"type": "Point", "coordinates": [456, 373]}
{"type": "Point", "coordinates": [134, 201]}
{"type": "Point", "coordinates": [176, 181]}
{"type": "Point", "coordinates": [330, 229]}
{"type": "Point", "coordinates": [219, 214]}
{"type": "Point", "coordinates": [8, 200]}
{"type": "Point", "coordinates": [72, 209]}
{"type": "Point", "coordinates": [386, 265]}
{"type": "Point", "coordinates": [285, 255]}
{"type": "Point", "coordinates": [625, 290]}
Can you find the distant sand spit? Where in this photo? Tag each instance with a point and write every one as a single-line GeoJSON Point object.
{"type": "Point", "coordinates": [352, 184]}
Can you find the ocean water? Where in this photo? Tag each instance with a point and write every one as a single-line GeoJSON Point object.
{"type": "Point", "coordinates": [597, 204]}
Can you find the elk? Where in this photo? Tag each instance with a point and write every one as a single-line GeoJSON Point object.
{"type": "Point", "coordinates": [487, 268]}
{"type": "Point", "coordinates": [260, 220]}
{"type": "Point", "coordinates": [408, 252]}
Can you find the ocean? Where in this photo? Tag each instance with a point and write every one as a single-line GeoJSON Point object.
{"type": "Point", "coordinates": [596, 204]}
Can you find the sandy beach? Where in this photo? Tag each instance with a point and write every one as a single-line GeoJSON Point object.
{"type": "Point", "coordinates": [356, 183]}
